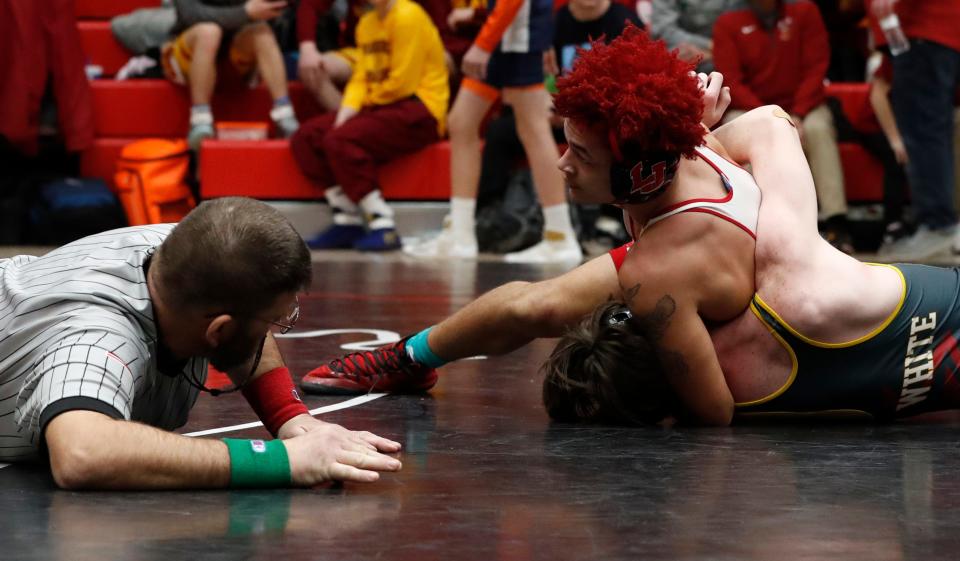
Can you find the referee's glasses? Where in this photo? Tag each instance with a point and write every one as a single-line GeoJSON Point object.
{"type": "Point", "coordinates": [288, 321]}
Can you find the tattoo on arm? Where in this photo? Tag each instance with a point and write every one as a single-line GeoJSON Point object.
{"type": "Point", "coordinates": [631, 292]}
{"type": "Point", "coordinates": [655, 324]}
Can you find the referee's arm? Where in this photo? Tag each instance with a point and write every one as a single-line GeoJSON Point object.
{"type": "Point", "coordinates": [89, 450]}
{"type": "Point", "coordinates": [82, 401]}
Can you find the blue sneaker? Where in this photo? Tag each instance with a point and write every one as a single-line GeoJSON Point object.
{"type": "Point", "coordinates": [337, 236]}
{"type": "Point", "coordinates": [383, 239]}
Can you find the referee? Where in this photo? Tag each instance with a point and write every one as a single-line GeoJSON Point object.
{"type": "Point", "coordinates": [104, 345]}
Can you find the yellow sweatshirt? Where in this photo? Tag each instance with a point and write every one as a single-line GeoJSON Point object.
{"type": "Point", "coordinates": [400, 56]}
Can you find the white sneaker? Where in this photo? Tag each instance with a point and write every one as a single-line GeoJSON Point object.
{"type": "Point", "coordinates": [556, 247]}
{"type": "Point", "coordinates": [445, 245]}
{"type": "Point", "coordinates": [923, 244]}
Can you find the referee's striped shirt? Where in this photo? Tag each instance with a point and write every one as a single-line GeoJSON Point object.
{"type": "Point", "coordinates": [77, 332]}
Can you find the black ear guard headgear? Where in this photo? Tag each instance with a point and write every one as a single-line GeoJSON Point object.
{"type": "Point", "coordinates": [619, 315]}
{"type": "Point", "coordinates": [635, 179]}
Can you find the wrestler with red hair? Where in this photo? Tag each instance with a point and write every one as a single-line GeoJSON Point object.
{"type": "Point", "coordinates": [643, 96]}
{"type": "Point", "coordinates": [637, 124]}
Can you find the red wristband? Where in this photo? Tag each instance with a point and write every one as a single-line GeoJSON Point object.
{"type": "Point", "coordinates": [274, 398]}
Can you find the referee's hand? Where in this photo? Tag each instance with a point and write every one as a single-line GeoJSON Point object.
{"type": "Point", "coordinates": [330, 452]}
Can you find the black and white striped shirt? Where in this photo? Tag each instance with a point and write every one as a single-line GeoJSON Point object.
{"type": "Point", "coordinates": [77, 332]}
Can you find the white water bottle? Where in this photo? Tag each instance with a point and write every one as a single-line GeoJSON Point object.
{"type": "Point", "coordinates": [896, 40]}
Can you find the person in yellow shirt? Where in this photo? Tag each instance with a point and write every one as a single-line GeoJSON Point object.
{"type": "Point", "coordinates": [395, 103]}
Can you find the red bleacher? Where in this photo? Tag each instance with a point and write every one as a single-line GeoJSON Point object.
{"type": "Point", "coordinates": [106, 9]}
{"type": "Point", "coordinates": [101, 46]}
{"type": "Point", "coordinates": [127, 110]}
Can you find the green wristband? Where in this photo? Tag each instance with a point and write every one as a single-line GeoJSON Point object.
{"type": "Point", "coordinates": [258, 463]}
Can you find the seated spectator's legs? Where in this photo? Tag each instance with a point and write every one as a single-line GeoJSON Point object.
{"type": "Point", "coordinates": [823, 155]}
{"type": "Point", "coordinates": [357, 148]}
{"type": "Point", "coordinates": [258, 43]}
{"type": "Point", "coordinates": [195, 52]}
{"type": "Point", "coordinates": [339, 65]}
{"type": "Point", "coordinates": [922, 90]}
{"type": "Point", "coordinates": [531, 108]}
{"type": "Point", "coordinates": [307, 147]}
{"type": "Point", "coordinates": [327, 83]}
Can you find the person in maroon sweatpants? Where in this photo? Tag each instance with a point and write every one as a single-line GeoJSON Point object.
{"type": "Point", "coordinates": [394, 104]}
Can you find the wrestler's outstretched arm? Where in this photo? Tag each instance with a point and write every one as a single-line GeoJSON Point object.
{"type": "Point", "coordinates": [512, 315]}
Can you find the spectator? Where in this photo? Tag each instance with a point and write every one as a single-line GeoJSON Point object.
{"type": "Point", "coordinates": [777, 53]}
{"type": "Point", "coordinates": [234, 30]}
{"type": "Point", "coordinates": [51, 58]}
{"type": "Point", "coordinates": [580, 21]}
{"type": "Point", "coordinates": [688, 27]}
{"type": "Point", "coordinates": [506, 58]}
{"type": "Point", "coordinates": [892, 154]}
{"type": "Point", "coordinates": [394, 104]}
{"type": "Point", "coordinates": [464, 22]}
{"type": "Point", "coordinates": [577, 23]}
{"type": "Point", "coordinates": [325, 71]}
{"type": "Point", "coordinates": [921, 94]}
{"type": "Point", "coordinates": [848, 38]}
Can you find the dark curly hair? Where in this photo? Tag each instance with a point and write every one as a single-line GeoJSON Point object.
{"type": "Point", "coordinates": [638, 92]}
{"type": "Point", "coordinates": [607, 372]}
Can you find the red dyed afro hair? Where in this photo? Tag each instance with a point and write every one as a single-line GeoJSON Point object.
{"type": "Point", "coordinates": [638, 91]}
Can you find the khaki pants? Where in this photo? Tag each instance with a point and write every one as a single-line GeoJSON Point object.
{"type": "Point", "coordinates": [823, 156]}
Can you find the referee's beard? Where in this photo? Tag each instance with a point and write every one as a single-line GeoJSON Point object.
{"type": "Point", "coordinates": [236, 351]}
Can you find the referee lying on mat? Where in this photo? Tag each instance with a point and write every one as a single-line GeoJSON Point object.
{"type": "Point", "coordinates": [104, 345]}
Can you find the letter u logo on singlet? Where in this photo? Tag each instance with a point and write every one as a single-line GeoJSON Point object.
{"type": "Point", "coordinates": [650, 183]}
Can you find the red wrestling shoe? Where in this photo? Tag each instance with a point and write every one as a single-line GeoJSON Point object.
{"type": "Point", "coordinates": [387, 369]}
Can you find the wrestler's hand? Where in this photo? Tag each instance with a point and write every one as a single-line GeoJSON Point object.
{"type": "Point", "coordinates": [716, 97]}
{"type": "Point", "coordinates": [328, 452]}
{"type": "Point", "coordinates": [475, 63]}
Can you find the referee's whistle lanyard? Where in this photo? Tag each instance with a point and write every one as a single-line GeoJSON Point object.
{"type": "Point", "coordinates": [236, 387]}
